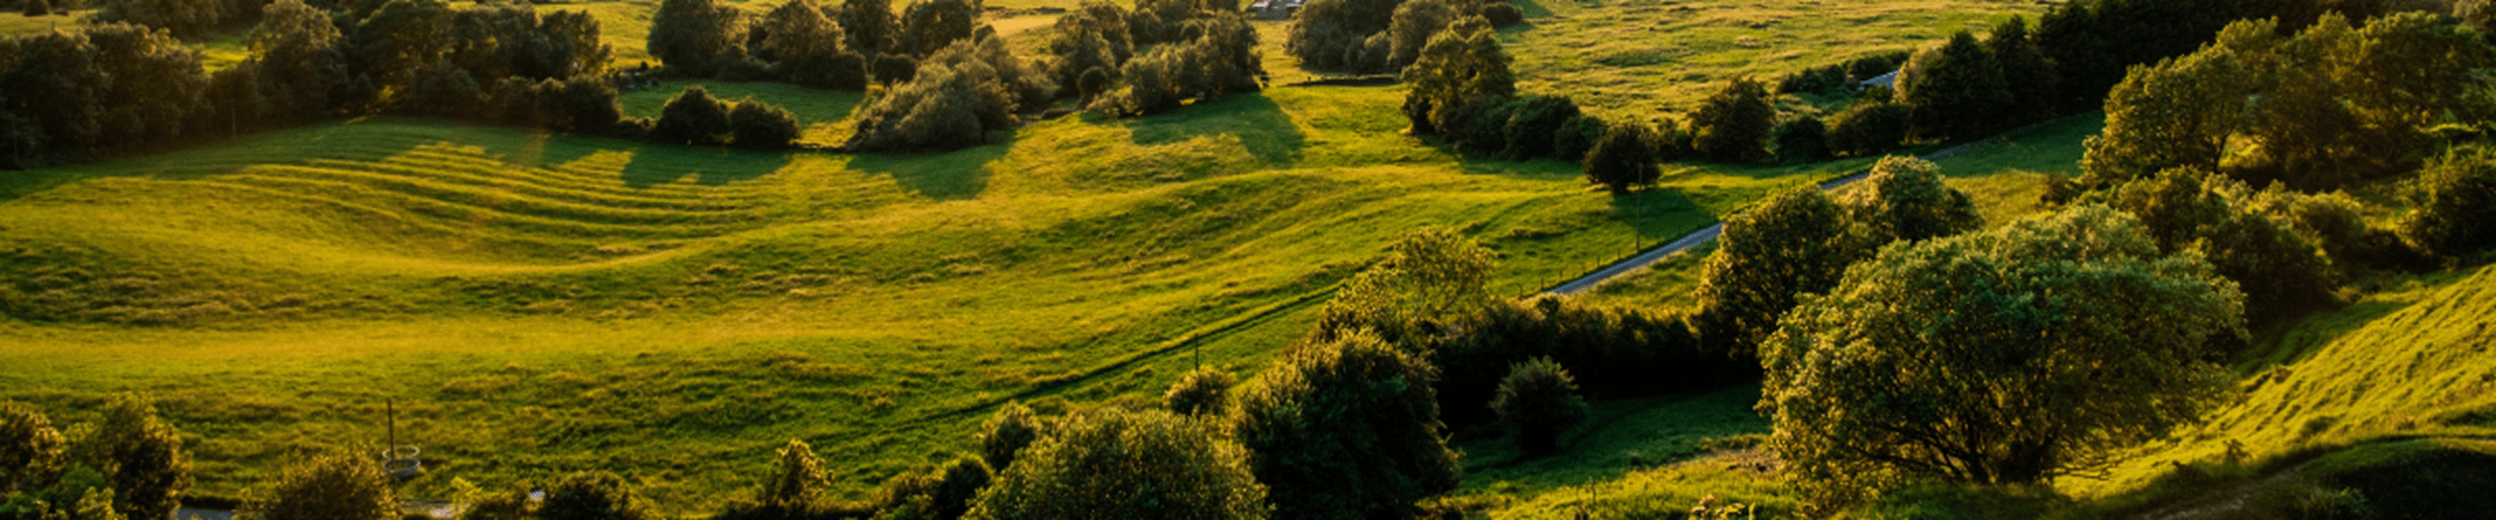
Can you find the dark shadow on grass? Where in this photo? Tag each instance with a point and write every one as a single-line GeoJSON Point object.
{"type": "Point", "coordinates": [1261, 126]}
{"type": "Point", "coordinates": [955, 175]}
{"type": "Point", "coordinates": [1659, 215]}
{"type": "Point", "coordinates": [654, 164]}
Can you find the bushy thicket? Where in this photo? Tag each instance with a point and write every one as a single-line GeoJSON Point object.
{"type": "Point", "coordinates": [2280, 272]}
{"type": "Point", "coordinates": [189, 20]}
{"type": "Point", "coordinates": [1092, 39]}
{"type": "Point", "coordinates": [1733, 125]}
{"type": "Point", "coordinates": [129, 465]}
{"type": "Point", "coordinates": [1841, 78]}
{"type": "Point", "coordinates": [1109, 463]}
{"type": "Point", "coordinates": [1870, 127]}
{"type": "Point", "coordinates": [1380, 36]}
{"type": "Point", "coordinates": [1202, 391]}
{"type": "Point", "coordinates": [1614, 353]}
{"type": "Point", "coordinates": [1801, 139]}
{"type": "Point", "coordinates": [2459, 204]}
{"type": "Point", "coordinates": [1215, 56]}
{"type": "Point", "coordinates": [1013, 428]}
{"type": "Point", "coordinates": [955, 98]}
{"type": "Point", "coordinates": [1539, 399]}
{"type": "Point", "coordinates": [692, 117]}
{"type": "Point", "coordinates": [1346, 427]}
{"type": "Point", "coordinates": [1625, 156]}
{"type": "Point", "coordinates": [337, 485]}
{"type": "Point", "coordinates": [804, 46]}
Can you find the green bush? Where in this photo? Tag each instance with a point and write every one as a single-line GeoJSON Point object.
{"type": "Point", "coordinates": [935, 493]}
{"type": "Point", "coordinates": [895, 68]}
{"type": "Point", "coordinates": [1535, 124]}
{"type": "Point", "coordinates": [2281, 273]}
{"type": "Point", "coordinates": [1503, 14]}
{"type": "Point", "coordinates": [594, 496]}
{"type": "Point", "coordinates": [1109, 463]}
{"type": "Point", "coordinates": [141, 454]}
{"type": "Point", "coordinates": [1868, 129]}
{"type": "Point", "coordinates": [697, 38]}
{"type": "Point", "coordinates": [1617, 353]}
{"type": "Point", "coordinates": [1794, 243]}
{"type": "Point", "coordinates": [693, 117]}
{"type": "Point", "coordinates": [339, 485]}
{"type": "Point", "coordinates": [1540, 400]}
{"type": "Point", "coordinates": [1346, 428]}
{"type": "Point", "coordinates": [1734, 124]}
{"type": "Point", "coordinates": [1334, 35]}
{"type": "Point", "coordinates": [1904, 199]}
{"type": "Point", "coordinates": [1577, 135]}
{"type": "Point", "coordinates": [1802, 140]}
{"type": "Point", "coordinates": [30, 448]}
{"type": "Point", "coordinates": [760, 125]}
{"type": "Point", "coordinates": [1200, 392]}
{"type": "Point", "coordinates": [1957, 89]}
{"type": "Point", "coordinates": [1460, 65]}
{"type": "Point", "coordinates": [2459, 205]}
{"type": "Point", "coordinates": [1625, 157]}
{"type": "Point", "coordinates": [798, 482]}
{"type": "Point", "coordinates": [1013, 428]}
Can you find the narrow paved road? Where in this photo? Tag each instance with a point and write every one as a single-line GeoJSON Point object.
{"type": "Point", "coordinates": [1703, 235]}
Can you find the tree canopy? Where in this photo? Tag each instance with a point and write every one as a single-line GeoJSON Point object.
{"type": "Point", "coordinates": [1111, 463]}
{"type": "Point", "coordinates": [1793, 243]}
{"type": "Point", "coordinates": [1346, 428]}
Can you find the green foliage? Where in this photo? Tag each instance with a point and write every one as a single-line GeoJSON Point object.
{"type": "Point", "coordinates": [1537, 125]}
{"type": "Point", "coordinates": [30, 449]}
{"type": "Point", "coordinates": [1903, 370]}
{"type": "Point", "coordinates": [954, 99]}
{"type": "Point", "coordinates": [1625, 157]}
{"type": "Point", "coordinates": [927, 26]}
{"type": "Point", "coordinates": [945, 492]}
{"type": "Point", "coordinates": [1090, 39]}
{"type": "Point", "coordinates": [1904, 199]}
{"type": "Point", "coordinates": [1220, 60]}
{"type": "Point", "coordinates": [1576, 136]}
{"type": "Point", "coordinates": [1202, 392]}
{"type": "Point", "coordinates": [1342, 35]}
{"type": "Point", "coordinates": [1734, 124]}
{"type": "Point", "coordinates": [697, 38]}
{"type": "Point", "coordinates": [1012, 429]}
{"type": "Point", "coordinates": [1958, 89]}
{"type": "Point", "coordinates": [1801, 139]}
{"type": "Point", "coordinates": [597, 495]}
{"type": "Point", "coordinates": [1869, 129]}
{"type": "Point", "coordinates": [869, 24]}
{"type": "Point", "coordinates": [334, 485]}
{"type": "Point", "coordinates": [2280, 272]}
{"type": "Point", "coordinates": [805, 47]}
{"type": "Point", "coordinates": [1540, 400]}
{"type": "Point", "coordinates": [1411, 28]}
{"type": "Point", "coordinates": [798, 482]}
{"type": "Point", "coordinates": [1346, 428]}
{"type": "Point", "coordinates": [1109, 463]}
{"type": "Point", "coordinates": [2460, 202]}
{"type": "Point", "coordinates": [35, 8]}
{"type": "Point", "coordinates": [2034, 85]}
{"type": "Point", "coordinates": [761, 125]}
{"type": "Point", "coordinates": [142, 454]}
{"type": "Point", "coordinates": [188, 19]}
{"type": "Point", "coordinates": [1618, 352]}
{"type": "Point", "coordinates": [693, 117]}
{"type": "Point", "coordinates": [294, 48]}
{"type": "Point", "coordinates": [1461, 64]}
{"type": "Point", "coordinates": [1429, 277]}
{"type": "Point", "coordinates": [1794, 243]}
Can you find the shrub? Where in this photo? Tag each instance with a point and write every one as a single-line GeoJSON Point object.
{"type": "Point", "coordinates": [1335, 34]}
{"type": "Point", "coordinates": [807, 48]}
{"type": "Point", "coordinates": [1794, 243]}
{"type": "Point", "coordinates": [1536, 124]}
{"type": "Point", "coordinates": [2278, 271]}
{"type": "Point", "coordinates": [870, 24]}
{"type": "Point", "coordinates": [697, 38]}
{"type": "Point", "coordinates": [142, 455]}
{"type": "Point", "coordinates": [1577, 135]}
{"type": "Point", "coordinates": [1013, 428]}
{"type": "Point", "coordinates": [1200, 392]}
{"type": "Point", "coordinates": [1617, 352]}
{"type": "Point", "coordinates": [1625, 157]}
{"type": "Point", "coordinates": [1540, 400]}
{"type": "Point", "coordinates": [895, 68]}
{"type": "Point", "coordinates": [1957, 89]}
{"type": "Point", "coordinates": [2460, 202]}
{"type": "Point", "coordinates": [693, 117]}
{"type": "Point", "coordinates": [798, 482]}
{"type": "Point", "coordinates": [1460, 65]}
{"type": "Point", "coordinates": [337, 485]}
{"type": "Point", "coordinates": [1429, 277]}
{"type": "Point", "coordinates": [760, 125]}
{"type": "Point", "coordinates": [1904, 199]}
{"type": "Point", "coordinates": [30, 449]}
{"type": "Point", "coordinates": [1109, 463]}
{"type": "Point", "coordinates": [1346, 428]}
{"type": "Point", "coordinates": [1897, 373]}
{"type": "Point", "coordinates": [935, 493]}
{"type": "Point", "coordinates": [1733, 125]}
{"type": "Point", "coordinates": [1868, 129]}
{"type": "Point", "coordinates": [1093, 38]}
{"type": "Point", "coordinates": [1412, 26]}
{"type": "Point", "coordinates": [1503, 14]}
{"type": "Point", "coordinates": [928, 26]}
{"type": "Point", "coordinates": [1802, 140]}
{"type": "Point", "coordinates": [594, 496]}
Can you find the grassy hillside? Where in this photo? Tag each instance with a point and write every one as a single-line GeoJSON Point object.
{"type": "Point", "coordinates": [536, 304]}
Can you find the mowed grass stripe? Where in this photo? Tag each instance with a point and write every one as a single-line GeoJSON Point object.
{"type": "Point", "coordinates": [483, 219]}
{"type": "Point", "coordinates": [515, 199]}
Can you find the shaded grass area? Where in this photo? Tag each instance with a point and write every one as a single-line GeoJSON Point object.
{"type": "Point", "coordinates": [1654, 431]}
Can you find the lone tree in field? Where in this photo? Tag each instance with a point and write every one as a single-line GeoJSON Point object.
{"type": "Point", "coordinates": [2001, 357]}
{"type": "Point", "coordinates": [692, 117]}
{"type": "Point", "coordinates": [1110, 463]}
{"type": "Point", "coordinates": [1540, 400]}
{"type": "Point", "coordinates": [1625, 156]}
{"type": "Point", "coordinates": [30, 448]}
{"type": "Point", "coordinates": [338, 485]}
{"type": "Point", "coordinates": [1430, 276]}
{"type": "Point", "coordinates": [1795, 242]}
{"type": "Point", "coordinates": [1734, 123]}
{"type": "Point", "coordinates": [1346, 428]}
{"type": "Point", "coordinates": [1461, 64]}
{"type": "Point", "coordinates": [1904, 199]}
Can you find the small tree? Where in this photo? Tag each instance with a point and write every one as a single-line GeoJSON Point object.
{"type": "Point", "coordinates": [1110, 463]}
{"type": "Point", "coordinates": [1346, 427]}
{"type": "Point", "coordinates": [1013, 428]}
{"type": "Point", "coordinates": [1200, 392]}
{"type": "Point", "coordinates": [1540, 400]}
{"type": "Point", "coordinates": [1794, 243]}
{"type": "Point", "coordinates": [338, 485]}
{"type": "Point", "coordinates": [142, 454]}
{"type": "Point", "coordinates": [1957, 90]}
{"type": "Point", "coordinates": [1430, 276]}
{"type": "Point", "coordinates": [2094, 338]}
{"type": "Point", "coordinates": [594, 496]}
{"type": "Point", "coordinates": [1868, 128]}
{"type": "Point", "coordinates": [2034, 86]}
{"type": "Point", "coordinates": [697, 38]}
{"type": "Point", "coordinates": [36, 8]}
{"type": "Point", "coordinates": [30, 449]}
{"type": "Point", "coordinates": [1802, 140]}
{"type": "Point", "coordinates": [762, 126]}
{"type": "Point", "coordinates": [1905, 199]}
{"type": "Point", "coordinates": [2460, 203]}
{"type": "Point", "coordinates": [798, 483]}
{"type": "Point", "coordinates": [692, 117]}
{"type": "Point", "coordinates": [1459, 65]}
{"type": "Point", "coordinates": [1733, 125]}
{"type": "Point", "coordinates": [1625, 157]}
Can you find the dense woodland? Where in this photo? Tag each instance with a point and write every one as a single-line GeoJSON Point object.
{"type": "Point", "coordinates": [2259, 157]}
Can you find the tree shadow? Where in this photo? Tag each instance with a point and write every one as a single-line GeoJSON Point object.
{"type": "Point", "coordinates": [955, 175]}
{"type": "Point", "coordinates": [1259, 123]}
{"type": "Point", "coordinates": [653, 164]}
{"type": "Point", "coordinates": [1659, 214]}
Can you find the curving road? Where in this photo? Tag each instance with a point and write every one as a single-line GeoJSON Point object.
{"type": "Point", "coordinates": [1703, 235]}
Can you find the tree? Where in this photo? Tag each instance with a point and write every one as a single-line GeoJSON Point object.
{"type": "Point", "coordinates": [2280, 273]}
{"type": "Point", "coordinates": [1733, 124]}
{"type": "Point", "coordinates": [1428, 277]}
{"type": "Point", "coordinates": [157, 85]}
{"type": "Point", "coordinates": [1413, 25]}
{"type": "Point", "coordinates": [1337, 35]}
{"type": "Point", "coordinates": [1200, 392]}
{"type": "Point", "coordinates": [1540, 400]}
{"type": "Point", "coordinates": [1461, 64]}
{"type": "Point", "coordinates": [1109, 463]}
{"type": "Point", "coordinates": [1904, 199]}
{"type": "Point", "coordinates": [1624, 157]}
{"type": "Point", "coordinates": [927, 26]}
{"type": "Point", "coordinates": [808, 49]}
{"type": "Point", "coordinates": [934, 493]}
{"type": "Point", "coordinates": [760, 125]}
{"type": "Point", "coordinates": [798, 482]}
{"type": "Point", "coordinates": [1802, 139]}
{"type": "Point", "coordinates": [1093, 38]}
{"type": "Point", "coordinates": [142, 455]}
{"type": "Point", "coordinates": [692, 117]}
{"type": "Point", "coordinates": [190, 20]}
{"type": "Point", "coordinates": [594, 496]}
{"type": "Point", "coordinates": [1869, 128]}
{"type": "Point", "coordinates": [870, 24]}
{"type": "Point", "coordinates": [697, 38]}
{"type": "Point", "coordinates": [1957, 90]}
{"type": "Point", "coordinates": [56, 93]}
{"type": "Point", "coordinates": [1006, 434]}
{"type": "Point", "coordinates": [399, 40]}
{"type": "Point", "coordinates": [2178, 113]}
{"type": "Point", "coordinates": [2030, 76]}
{"type": "Point", "coordinates": [2000, 357]}
{"type": "Point", "coordinates": [336, 485]}
{"type": "Point", "coordinates": [2460, 202]}
{"type": "Point", "coordinates": [1796, 242]}
{"type": "Point", "coordinates": [295, 49]}
{"type": "Point", "coordinates": [36, 8]}
{"type": "Point", "coordinates": [1536, 125]}
{"type": "Point", "coordinates": [1346, 428]}
{"type": "Point", "coordinates": [30, 449]}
